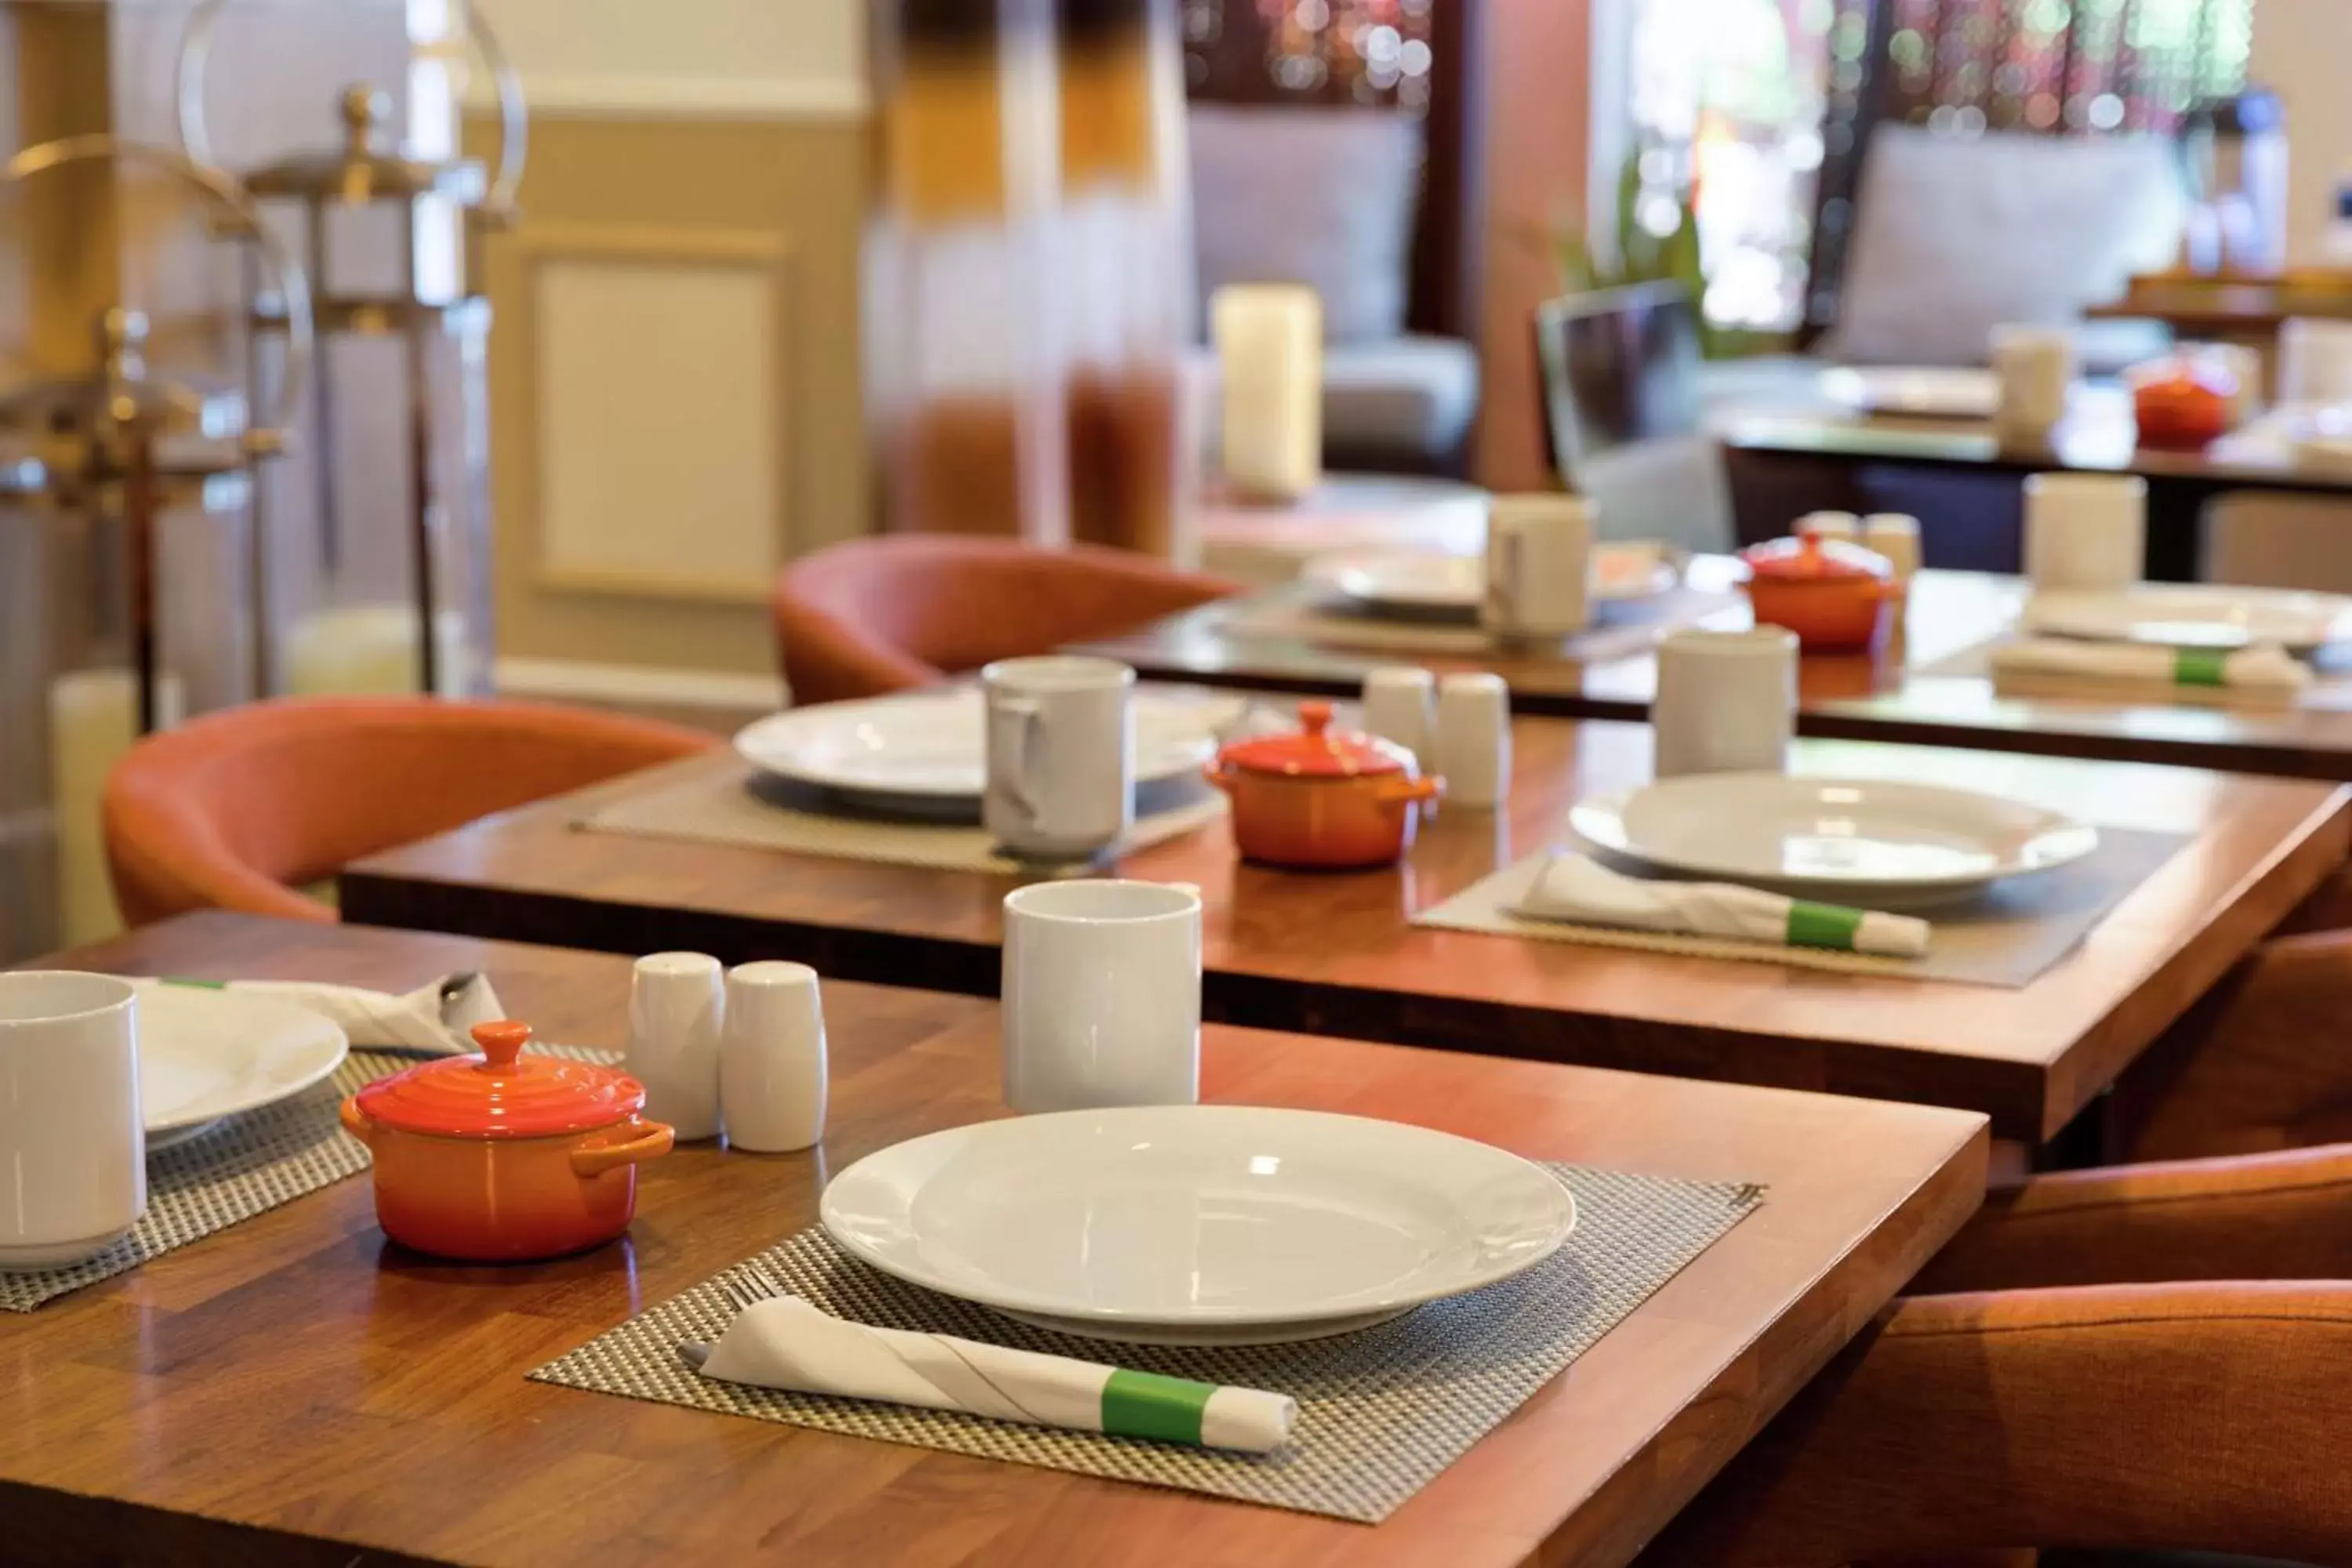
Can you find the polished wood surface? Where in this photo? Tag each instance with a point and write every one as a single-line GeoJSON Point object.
{"type": "Point", "coordinates": [1335, 953]}
{"type": "Point", "coordinates": [295, 1381]}
{"type": "Point", "coordinates": [1900, 694]}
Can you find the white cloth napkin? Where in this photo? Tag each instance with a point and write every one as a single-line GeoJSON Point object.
{"type": "Point", "coordinates": [2262, 666]}
{"type": "Point", "coordinates": [423, 1020]}
{"type": "Point", "coordinates": [1580, 890]}
{"type": "Point", "coordinates": [786, 1342]}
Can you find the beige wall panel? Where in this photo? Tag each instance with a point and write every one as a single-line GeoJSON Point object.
{"type": "Point", "coordinates": [780, 188]}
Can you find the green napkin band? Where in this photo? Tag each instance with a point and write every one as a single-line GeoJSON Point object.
{"type": "Point", "coordinates": [198, 985]}
{"type": "Point", "coordinates": [2199, 667]}
{"type": "Point", "coordinates": [1822, 925]}
{"type": "Point", "coordinates": [1145, 1404]}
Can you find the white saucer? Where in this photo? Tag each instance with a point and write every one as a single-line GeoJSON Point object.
{"type": "Point", "coordinates": [1413, 584]}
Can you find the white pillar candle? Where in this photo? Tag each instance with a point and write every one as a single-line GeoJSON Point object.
{"type": "Point", "coordinates": [1269, 339]}
{"type": "Point", "coordinates": [371, 650]}
{"type": "Point", "coordinates": [93, 720]}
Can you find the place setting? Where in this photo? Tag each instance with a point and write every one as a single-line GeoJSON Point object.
{"type": "Point", "coordinates": [1046, 763]}
{"type": "Point", "coordinates": [1546, 584]}
{"type": "Point", "coordinates": [1309, 1310]}
{"type": "Point", "coordinates": [171, 1107]}
{"type": "Point", "coordinates": [1728, 852]}
{"type": "Point", "coordinates": [2092, 627]}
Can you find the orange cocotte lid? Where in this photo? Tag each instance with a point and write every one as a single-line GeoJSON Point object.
{"type": "Point", "coordinates": [502, 1093]}
{"type": "Point", "coordinates": [1318, 751]}
{"type": "Point", "coordinates": [1810, 558]}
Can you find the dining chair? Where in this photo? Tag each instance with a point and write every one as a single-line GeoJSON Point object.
{"type": "Point", "coordinates": [870, 616]}
{"type": "Point", "coordinates": [2258, 539]}
{"type": "Point", "coordinates": [237, 809]}
{"type": "Point", "coordinates": [2129, 1359]}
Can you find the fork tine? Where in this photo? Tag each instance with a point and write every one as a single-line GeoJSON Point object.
{"type": "Point", "coordinates": [742, 1293]}
{"type": "Point", "coordinates": [769, 1282]}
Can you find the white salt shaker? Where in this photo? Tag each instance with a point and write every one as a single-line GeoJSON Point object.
{"type": "Point", "coordinates": [1400, 702]}
{"type": "Point", "coordinates": [1474, 739]}
{"type": "Point", "coordinates": [676, 1002]}
{"type": "Point", "coordinates": [1829, 527]}
{"type": "Point", "coordinates": [1894, 535]}
{"type": "Point", "coordinates": [771, 1059]}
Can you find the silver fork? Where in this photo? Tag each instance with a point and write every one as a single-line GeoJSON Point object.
{"type": "Point", "coordinates": [750, 1284]}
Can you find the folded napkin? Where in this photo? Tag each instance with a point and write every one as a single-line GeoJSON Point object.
{"type": "Point", "coordinates": [2262, 666]}
{"type": "Point", "coordinates": [785, 1343]}
{"type": "Point", "coordinates": [1579, 889]}
{"type": "Point", "coordinates": [436, 1017]}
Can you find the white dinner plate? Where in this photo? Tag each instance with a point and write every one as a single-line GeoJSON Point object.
{"type": "Point", "coordinates": [1916, 391]}
{"type": "Point", "coordinates": [1849, 841]}
{"type": "Point", "coordinates": [1198, 1224]}
{"type": "Point", "coordinates": [2195, 615]}
{"type": "Point", "coordinates": [205, 1054]}
{"type": "Point", "coordinates": [1418, 585]}
{"type": "Point", "coordinates": [932, 745]}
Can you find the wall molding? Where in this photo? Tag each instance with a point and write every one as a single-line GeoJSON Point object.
{"type": "Point", "coordinates": [581, 681]}
{"type": "Point", "coordinates": [823, 99]}
{"type": "Point", "coordinates": [767, 255]}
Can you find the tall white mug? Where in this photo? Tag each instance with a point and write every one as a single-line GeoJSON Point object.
{"type": "Point", "coordinates": [1538, 563]}
{"type": "Point", "coordinates": [73, 1143]}
{"type": "Point", "coordinates": [1061, 754]}
{"type": "Point", "coordinates": [1726, 702]}
{"type": "Point", "coordinates": [1102, 995]}
{"type": "Point", "coordinates": [2315, 361]}
{"type": "Point", "coordinates": [2086, 531]}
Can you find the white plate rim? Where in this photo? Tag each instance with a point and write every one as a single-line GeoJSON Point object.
{"type": "Point", "coordinates": [329, 1058]}
{"type": "Point", "coordinates": [760, 743]}
{"type": "Point", "coordinates": [2100, 614]}
{"type": "Point", "coordinates": [1330, 572]}
{"type": "Point", "coordinates": [1020, 1302]}
{"type": "Point", "coordinates": [1617, 801]}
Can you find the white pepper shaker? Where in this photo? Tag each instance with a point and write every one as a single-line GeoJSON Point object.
{"type": "Point", "coordinates": [1829, 527]}
{"type": "Point", "coordinates": [1399, 706]}
{"type": "Point", "coordinates": [676, 1002]}
{"type": "Point", "coordinates": [771, 1059]}
{"type": "Point", "coordinates": [1474, 739]}
{"type": "Point", "coordinates": [1895, 535]}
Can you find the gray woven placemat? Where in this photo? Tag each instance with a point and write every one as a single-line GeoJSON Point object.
{"type": "Point", "coordinates": [246, 1165]}
{"type": "Point", "coordinates": [728, 808]}
{"type": "Point", "coordinates": [2009, 936]}
{"type": "Point", "coordinates": [1381, 1412]}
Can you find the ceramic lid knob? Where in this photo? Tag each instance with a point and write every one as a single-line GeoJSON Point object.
{"type": "Point", "coordinates": [502, 1040]}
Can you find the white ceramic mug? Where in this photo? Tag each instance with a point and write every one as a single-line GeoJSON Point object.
{"type": "Point", "coordinates": [2086, 531]}
{"type": "Point", "coordinates": [1538, 563]}
{"type": "Point", "coordinates": [2034, 367]}
{"type": "Point", "coordinates": [1726, 702]}
{"type": "Point", "coordinates": [1102, 995]}
{"type": "Point", "coordinates": [73, 1142]}
{"type": "Point", "coordinates": [773, 1071]}
{"type": "Point", "coordinates": [676, 1002]}
{"type": "Point", "coordinates": [1399, 705]}
{"type": "Point", "coordinates": [1061, 754]}
{"type": "Point", "coordinates": [2315, 361]}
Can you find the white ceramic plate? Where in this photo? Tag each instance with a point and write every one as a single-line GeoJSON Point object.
{"type": "Point", "coordinates": [206, 1054]}
{"type": "Point", "coordinates": [1198, 1223]}
{"type": "Point", "coordinates": [1848, 841]}
{"type": "Point", "coordinates": [1416, 585]}
{"type": "Point", "coordinates": [2195, 615]}
{"type": "Point", "coordinates": [932, 745]}
{"type": "Point", "coordinates": [1917, 391]}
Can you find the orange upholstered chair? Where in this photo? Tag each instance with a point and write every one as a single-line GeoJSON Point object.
{"type": "Point", "coordinates": [230, 810]}
{"type": "Point", "coordinates": [870, 616]}
{"type": "Point", "coordinates": [2127, 1359]}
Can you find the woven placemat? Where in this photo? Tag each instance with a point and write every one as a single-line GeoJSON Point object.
{"type": "Point", "coordinates": [733, 807]}
{"type": "Point", "coordinates": [2008, 937]}
{"type": "Point", "coordinates": [243, 1167]}
{"type": "Point", "coordinates": [1381, 1412]}
{"type": "Point", "coordinates": [1623, 628]}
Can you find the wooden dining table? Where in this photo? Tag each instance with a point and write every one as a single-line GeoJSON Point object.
{"type": "Point", "coordinates": [1337, 953]}
{"type": "Point", "coordinates": [1928, 685]}
{"type": "Point", "coordinates": [295, 1390]}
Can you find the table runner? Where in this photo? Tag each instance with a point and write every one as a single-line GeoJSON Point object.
{"type": "Point", "coordinates": [246, 1164]}
{"type": "Point", "coordinates": [733, 807]}
{"type": "Point", "coordinates": [1382, 1411]}
{"type": "Point", "coordinates": [2008, 937]}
